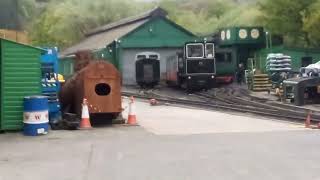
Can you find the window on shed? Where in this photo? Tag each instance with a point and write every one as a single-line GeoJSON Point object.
{"type": "Point", "coordinates": [306, 61]}
{"type": "Point", "coordinates": [224, 57]}
{"type": "Point", "coordinates": [68, 68]}
{"type": "Point", "coordinates": [64, 68]}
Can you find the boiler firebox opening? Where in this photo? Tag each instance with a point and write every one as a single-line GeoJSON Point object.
{"type": "Point", "coordinates": [103, 89]}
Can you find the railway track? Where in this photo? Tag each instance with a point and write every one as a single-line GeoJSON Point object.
{"type": "Point", "coordinates": [229, 100]}
{"type": "Point", "coordinates": [245, 96]}
{"type": "Point", "coordinates": [269, 109]}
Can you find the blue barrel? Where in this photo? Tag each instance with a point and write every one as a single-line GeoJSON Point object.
{"type": "Point", "coordinates": [35, 116]}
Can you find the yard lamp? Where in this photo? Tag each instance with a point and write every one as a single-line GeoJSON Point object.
{"type": "Point", "coordinates": [267, 46]}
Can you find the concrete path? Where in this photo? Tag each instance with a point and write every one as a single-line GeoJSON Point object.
{"type": "Point", "coordinates": [168, 120]}
{"type": "Point", "coordinates": [130, 153]}
{"type": "Point", "coordinates": [171, 144]}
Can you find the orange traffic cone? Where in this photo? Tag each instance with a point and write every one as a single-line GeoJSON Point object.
{"type": "Point", "coordinates": [85, 117]}
{"type": "Point", "coordinates": [308, 120]}
{"type": "Point", "coordinates": [132, 119]}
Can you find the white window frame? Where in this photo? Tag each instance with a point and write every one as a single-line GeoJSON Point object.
{"type": "Point", "coordinates": [192, 44]}
{"type": "Point", "coordinates": [147, 54]}
{"type": "Point", "coordinates": [213, 50]}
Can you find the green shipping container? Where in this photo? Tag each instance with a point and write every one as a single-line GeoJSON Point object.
{"type": "Point", "coordinates": [20, 76]}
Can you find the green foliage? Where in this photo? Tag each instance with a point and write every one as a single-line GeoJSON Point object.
{"type": "Point", "coordinates": [66, 22]}
{"type": "Point", "coordinates": [312, 24]}
{"type": "Point", "coordinates": [286, 17]}
{"type": "Point", "coordinates": [207, 16]}
{"type": "Point", "coordinates": [241, 16]}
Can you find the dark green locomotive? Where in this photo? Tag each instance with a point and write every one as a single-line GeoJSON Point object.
{"type": "Point", "coordinates": [194, 68]}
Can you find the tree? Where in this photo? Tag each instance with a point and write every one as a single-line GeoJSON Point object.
{"type": "Point", "coordinates": [312, 24]}
{"type": "Point", "coordinates": [64, 23]}
{"type": "Point", "coordinates": [245, 15]}
{"type": "Point", "coordinates": [285, 18]}
{"type": "Point", "coordinates": [204, 17]}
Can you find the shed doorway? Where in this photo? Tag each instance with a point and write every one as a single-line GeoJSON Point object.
{"type": "Point", "coordinates": [306, 61]}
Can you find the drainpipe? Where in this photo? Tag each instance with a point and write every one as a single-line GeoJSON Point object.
{"type": "Point", "coordinates": [267, 46]}
{"type": "Point", "coordinates": [270, 37]}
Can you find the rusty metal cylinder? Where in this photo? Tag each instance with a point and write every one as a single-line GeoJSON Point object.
{"type": "Point", "coordinates": [100, 83]}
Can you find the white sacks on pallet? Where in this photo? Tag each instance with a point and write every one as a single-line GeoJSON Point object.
{"type": "Point", "coordinates": [278, 63]}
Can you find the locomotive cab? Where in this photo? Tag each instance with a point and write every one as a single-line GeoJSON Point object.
{"type": "Point", "coordinates": [194, 69]}
{"type": "Point", "coordinates": [147, 69]}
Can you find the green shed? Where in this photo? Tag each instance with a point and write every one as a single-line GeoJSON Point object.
{"type": "Point", "coordinates": [241, 35]}
{"type": "Point", "coordinates": [236, 45]}
{"type": "Point", "coordinates": [66, 64]}
{"type": "Point", "coordinates": [301, 57]}
{"type": "Point", "coordinates": [121, 41]}
{"type": "Point", "coordinates": [20, 76]}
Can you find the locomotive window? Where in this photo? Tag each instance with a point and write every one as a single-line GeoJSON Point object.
{"type": "Point", "coordinates": [210, 50]}
{"type": "Point", "coordinates": [153, 56]}
{"type": "Point", "coordinates": [103, 89]}
{"type": "Point", "coordinates": [141, 57]}
{"type": "Point", "coordinates": [195, 51]}
{"type": "Point", "coordinates": [224, 57]}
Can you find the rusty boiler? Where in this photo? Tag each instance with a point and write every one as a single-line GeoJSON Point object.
{"type": "Point", "coordinates": [100, 83]}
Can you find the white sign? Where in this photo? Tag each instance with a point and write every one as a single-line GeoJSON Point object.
{"type": "Point", "coordinates": [243, 33]}
{"type": "Point", "coordinates": [36, 117]}
{"type": "Point", "coordinates": [223, 35]}
{"type": "Point", "coordinates": [228, 34]}
{"type": "Point", "coordinates": [255, 33]}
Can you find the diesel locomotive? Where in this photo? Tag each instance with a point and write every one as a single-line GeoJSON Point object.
{"type": "Point", "coordinates": [194, 68]}
{"type": "Point", "coordinates": [147, 69]}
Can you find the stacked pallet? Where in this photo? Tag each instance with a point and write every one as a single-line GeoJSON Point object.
{"type": "Point", "coordinates": [278, 63]}
{"type": "Point", "coordinates": [261, 82]}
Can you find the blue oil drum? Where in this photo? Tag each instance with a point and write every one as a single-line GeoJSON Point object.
{"type": "Point", "coordinates": [35, 116]}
